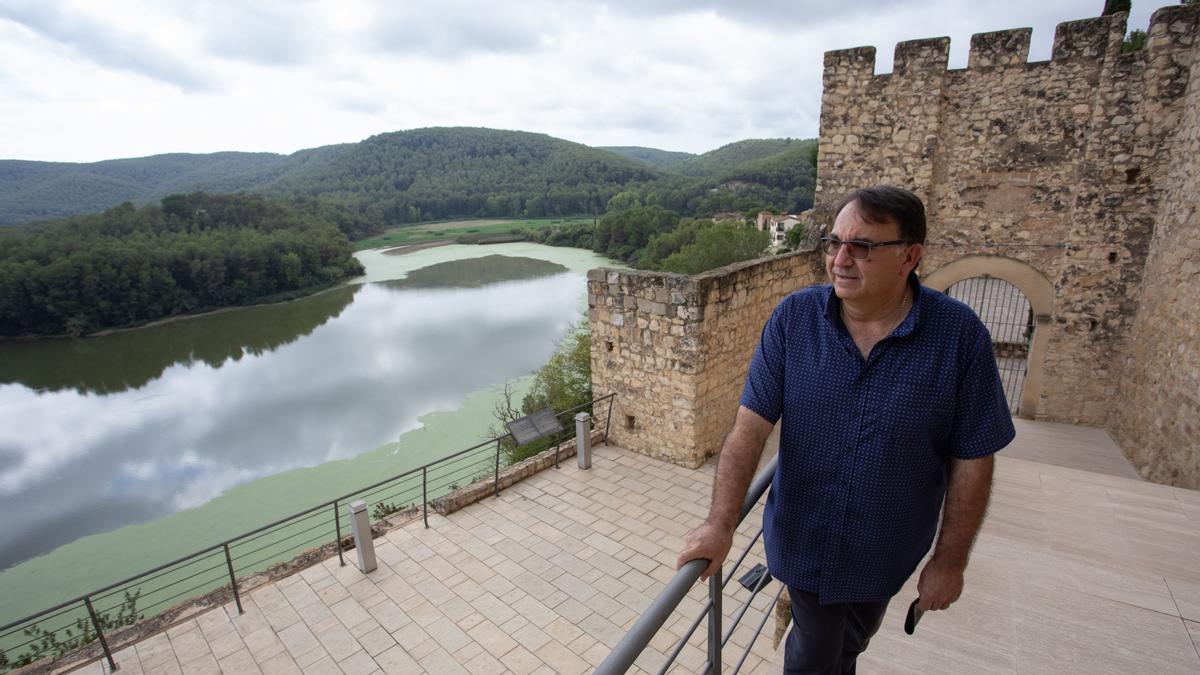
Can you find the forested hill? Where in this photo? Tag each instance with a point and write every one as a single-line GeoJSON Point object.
{"type": "Point", "coordinates": [429, 174]}
{"type": "Point", "coordinates": [43, 190]}
{"type": "Point", "coordinates": [729, 158]}
{"type": "Point", "coordinates": [424, 174]}
{"type": "Point", "coordinates": [387, 179]}
{"type": "Point", "coordinates": [194, 252]}
{"type": "Point", "coordinates": [659, 159]}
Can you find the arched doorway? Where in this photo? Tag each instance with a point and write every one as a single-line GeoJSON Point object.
{"type": "Point", "coordinates": [1016, 303]}
{"type": "Point", "coordinates": [1008, 316]}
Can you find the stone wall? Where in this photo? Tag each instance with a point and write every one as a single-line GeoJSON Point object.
{"type": "Point", "coordinates": [675, 349]}
{"type": "Point", "coordinates": [1079, 172]}
{"type": "Point", "coordinates": [1157, 419]}
{"type": "Point", "coordinates": [1062, 165]}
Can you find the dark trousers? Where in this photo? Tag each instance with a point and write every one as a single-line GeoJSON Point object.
{"type": "Point", "coordinates": [827, 639]}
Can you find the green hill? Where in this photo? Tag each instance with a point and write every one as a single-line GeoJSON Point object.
{"type": "Point", "coordinates": [434, 173]}
{"type": "Point", "coordinates": [194, 252]}
{"type": "Point", "coordinates": [430, 174]}
{"type": "Point", "coordinates": [727, 158]}
{"type": "Point", "coordinates": [659, 159]}
{"type": "Point", "coordinates": [40, 190]}
{"type": "Point", "coordinates": [384, 180]}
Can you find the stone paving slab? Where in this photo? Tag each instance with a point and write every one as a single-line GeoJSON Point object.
{"type": "Point", "coordinates": [1074, 571]}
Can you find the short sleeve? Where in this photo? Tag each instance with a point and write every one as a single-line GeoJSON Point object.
{"type": "Point", "coordinates": [763, 391]}
{"type": "Point", "coordinates": [982, 421]}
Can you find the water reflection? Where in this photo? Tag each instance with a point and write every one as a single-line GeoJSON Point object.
{"type": "Point", "coordinates": [287, 391]}
{"type": "Point", "coordinates": [130, 359]}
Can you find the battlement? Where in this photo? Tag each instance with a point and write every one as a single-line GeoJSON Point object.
{"type": "Point", "coordinates": [1000, 49]}
{"type": "Point", "coordinates": [1174, 25]}
{"type": "Point", "coordinates": [1095, 40]}
{"type": "Point", "coordinates": [849, 65]}
{"type": "Point", "coordinates": [1088, 38]}
{"type": "Point", "coordinates": [921, 56]}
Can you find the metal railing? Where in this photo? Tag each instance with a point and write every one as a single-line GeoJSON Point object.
{"type": "Point", "coordinates": [652, 620]}
{"type": "Point", "coordinates": [211, 575]}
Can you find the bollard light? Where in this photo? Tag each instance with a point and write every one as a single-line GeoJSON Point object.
{"type": "Point", "coordinates": [364, 545]}
{"type": "Point", "coordinates": [583, 440]}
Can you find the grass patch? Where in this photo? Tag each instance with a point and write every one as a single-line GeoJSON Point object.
{"type": "Point", "coordinates": [420, 233]}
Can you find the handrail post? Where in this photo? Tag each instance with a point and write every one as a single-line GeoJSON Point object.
{"type": "Point", "coordinates": [622, 656]}
{"type": "Point", "coordinates": [714, 622]}
{"type": "Point", "coordinates": [87, 600]}
{"type": "Point", "coordinates": [608, 421]}
{"type": "Point", "coordinates": [425, 495]}
{"type": "Point", "coordinates": [233, 579]}
{"type": "Point", "coordinates": [337, 524]}
{"type": "Point", "coordinates": [496, 484]}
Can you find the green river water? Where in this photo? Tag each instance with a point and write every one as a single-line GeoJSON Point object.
{"type": "Point", "coordinates": [121, 452]}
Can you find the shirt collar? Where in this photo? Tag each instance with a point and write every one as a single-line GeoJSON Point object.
{"type": "Point", "coordinates": [833, 305]}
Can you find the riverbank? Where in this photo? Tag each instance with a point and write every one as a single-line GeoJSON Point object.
{"type": "Point", "coordinates": [216, 439]}
{"type": "Point", "coordinates": [413, 248]}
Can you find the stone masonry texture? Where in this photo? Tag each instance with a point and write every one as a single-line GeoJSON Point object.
{"type": "Point", "coordinates": [1156, 414]}
{"type": "Point", "coordinates": [675, 349]}
{"type": "Point", "coordinates": [1085, 168]}
{"type": "Point", "coordinates": [1082, 167]}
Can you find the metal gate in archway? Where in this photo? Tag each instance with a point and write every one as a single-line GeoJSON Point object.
{"type": "Point", "coordinates": [1008, 316]}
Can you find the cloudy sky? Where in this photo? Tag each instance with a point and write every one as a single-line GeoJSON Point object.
{"type": "Point", "coordinates": [93, 79]}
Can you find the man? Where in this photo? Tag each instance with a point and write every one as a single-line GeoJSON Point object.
{"type": "Point", "coordinates": [890, 399]}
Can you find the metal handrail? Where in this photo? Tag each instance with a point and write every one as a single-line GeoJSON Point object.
{"type": "Point", "coordinates": [85, 601]}
{"type": "Point", "coordinates": [621, 658]}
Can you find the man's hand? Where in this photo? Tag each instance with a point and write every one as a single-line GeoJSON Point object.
{"type": "Point", "coordinates": [967, 495]}
{"type": "Point", "coordinates": [708, 541]}
{"type": "Point", "coordinates": [939, 586]}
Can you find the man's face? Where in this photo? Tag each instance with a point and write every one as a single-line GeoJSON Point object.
{"type": "Point", "coordinates": [879, 276]}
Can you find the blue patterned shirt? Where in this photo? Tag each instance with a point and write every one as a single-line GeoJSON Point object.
{"type": "Point", "coordinates": [865, 444]}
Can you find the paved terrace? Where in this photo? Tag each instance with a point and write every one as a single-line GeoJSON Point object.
{"type": "Point", "coordinates": [1075, 571]}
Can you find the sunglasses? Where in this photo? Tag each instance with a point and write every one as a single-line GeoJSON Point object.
{"type": "Point", "coordinates": [857, 248]}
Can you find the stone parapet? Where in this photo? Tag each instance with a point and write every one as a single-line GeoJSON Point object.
{"type": "Point", "coordinates": [675, 349]}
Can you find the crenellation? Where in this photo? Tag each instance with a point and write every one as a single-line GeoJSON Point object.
{"type": "Point", "coordinates": [1061, 165]}
{"type": "Point", "coordinates": [1088, 39]}
{"type": "Point", "coordinates": [1076, 175]}
{"type": "Point", "coordinates": [1000, 49]}
{"type": "Point", "coordinates": [849, 67]}
{"type": "Point", "coordinates": [1172, 25]}
{"type": "Point", "coordinates": [917, 57]}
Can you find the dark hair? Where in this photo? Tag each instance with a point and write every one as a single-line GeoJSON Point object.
{"type": "Point", "coordinates": [886, 203]}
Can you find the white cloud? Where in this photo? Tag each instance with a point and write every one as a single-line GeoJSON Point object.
{"type": "Point", "coordinates": [83, 81]}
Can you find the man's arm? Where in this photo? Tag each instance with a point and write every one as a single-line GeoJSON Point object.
{"type": "Point", "coordinates": [735, 469]}
{"type": "Point", "coordinates": [967, 496]}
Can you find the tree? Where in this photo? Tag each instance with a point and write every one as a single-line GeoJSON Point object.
{"type": "Point", "coordinates": [1114, 6]}
{"type": "Point", "coordinates": [565, 382]}
{"type": "Point", "coordinates": [716, 246]}
{"type": "Point", "coordinates": [794, 237]}
{"type": "Point", "coordinates": [1134, 41]}
{"type": "Point", "coordinates": [127, 266]}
